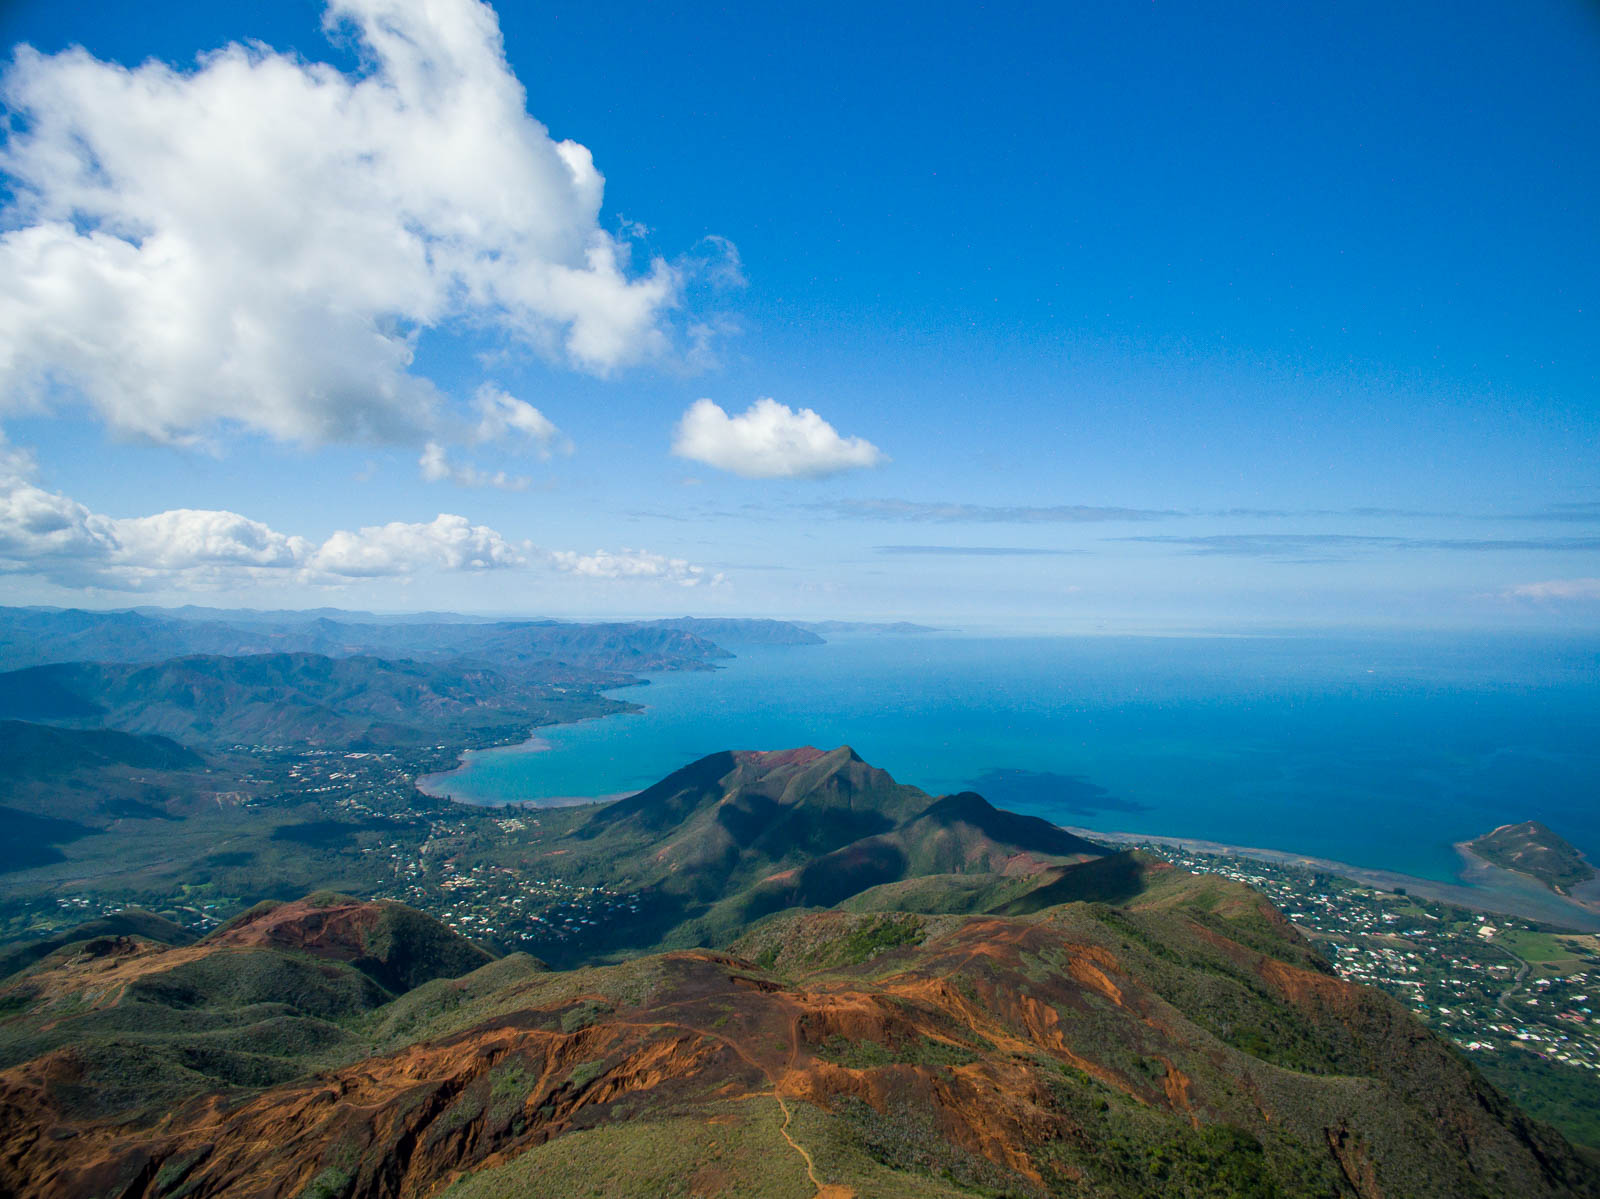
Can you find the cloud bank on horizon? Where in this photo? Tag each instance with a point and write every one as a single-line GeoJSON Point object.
{"type": "Point", "coordinates": [46, 533]}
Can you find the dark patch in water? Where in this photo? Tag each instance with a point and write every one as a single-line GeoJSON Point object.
{"type": "Point", "coordinates": [1044, 789]}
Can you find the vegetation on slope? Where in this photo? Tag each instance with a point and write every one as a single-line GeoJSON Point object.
{"type": "Point", "coordinates": [988, 1012]}
{"type": "Point", "coordinates": [1183, 1042]}
{"type": "Point", "coordinates": [305, 699]}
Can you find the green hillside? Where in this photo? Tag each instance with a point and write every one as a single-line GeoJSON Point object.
{"type": "Point", "coordinates": [1183, 1041]}
{"type": "Point", "coordinates": [736, 836]}
{"type": "Point", "coordinates": [305, 699]}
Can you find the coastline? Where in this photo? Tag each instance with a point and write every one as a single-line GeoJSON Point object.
{"type": "Point", "coordinates": [1480, 886]}
{"type": "Point", "coordinates": [1483, 887]}
{"type": "Point", "coordinates": [1474, 868]}
{"type": "Point", "coordinates": [429, 784]}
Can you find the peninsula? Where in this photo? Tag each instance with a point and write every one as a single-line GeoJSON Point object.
{"type": "Point", "coordinates": [1532, 849]}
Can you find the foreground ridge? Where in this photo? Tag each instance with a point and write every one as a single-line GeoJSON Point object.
{"type": "Point", "coordinates": [991, 1015]}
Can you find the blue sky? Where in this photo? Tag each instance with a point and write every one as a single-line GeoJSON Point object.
{"type": "Point", "coordinates": [1117, 315]}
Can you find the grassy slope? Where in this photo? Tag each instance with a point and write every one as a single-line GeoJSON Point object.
{"type": "Point", "coordinates": [1183, 1041]}
{"type": "Point", "coordinates": [735, 837]}
{"type": "Point", "coordinates": [302, 698]}
{"type": "Point", "coordinates": [145, 1027]}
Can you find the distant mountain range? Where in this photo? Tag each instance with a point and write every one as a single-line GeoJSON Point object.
{"type": "Point", "coordinates": [39, 636]}
{"type": "Point", "coordinates": [307, 699]}
{"type": "Point", "coordinates": [997, 1009]}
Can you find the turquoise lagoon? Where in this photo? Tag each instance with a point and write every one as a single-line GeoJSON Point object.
{"type": "Point", "coordinates": [1375, 750]}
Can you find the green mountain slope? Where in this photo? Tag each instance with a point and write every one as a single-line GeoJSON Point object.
{"type": "Point", "coordinates": [38, 750]}
{"type": "Point", "coordinates": [738, 835]}
{"type": "Point", "coordinates": [1182, 1042]}
{"type": "Point", "coordinates": [306, 699]}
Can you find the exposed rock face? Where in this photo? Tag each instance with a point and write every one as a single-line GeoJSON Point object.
{"type": "Point", "coordinates": [995, 1008]}
{"type": "Point", "coordinates": [1015, 1047]}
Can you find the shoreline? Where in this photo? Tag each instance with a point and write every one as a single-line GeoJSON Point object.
{"type": "Point", "coordinates": [428, 784]}
{"type": "Point", "coordinates": [1476, 867]}
{"type": "Point", "coordinates": [1482, 887]}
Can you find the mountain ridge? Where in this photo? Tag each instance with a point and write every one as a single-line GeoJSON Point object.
{"type": "Point", "coordinates": [1029, 1024]}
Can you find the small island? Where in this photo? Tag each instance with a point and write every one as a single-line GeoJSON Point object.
{"type": "Point", "coordinates": [1531, 848]}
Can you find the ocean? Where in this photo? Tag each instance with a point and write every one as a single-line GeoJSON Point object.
{"type": "Point", "coordinates": [1380, 751]}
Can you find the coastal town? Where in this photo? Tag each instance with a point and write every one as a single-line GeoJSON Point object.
{"type": "Point", "coordinates": [1513, 994]}
{"type": "Point", "coordinates": [1495, 985]}
{"type": "Point", "coordinates": [1492, 984]}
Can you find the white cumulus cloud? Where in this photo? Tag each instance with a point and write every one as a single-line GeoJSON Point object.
{"type": "Point", "coordinates": [634, 564]}
{"type": "Point", "coordinates": [258, 241]}
{"type": "Point", "coordinates": [53, 537]}
{"type": "Point", "coordinates": [445, 543]}
{"type": "Point", "coordinates": [769, 441]}
{"type": "Point", "coordinates": [186, 538]}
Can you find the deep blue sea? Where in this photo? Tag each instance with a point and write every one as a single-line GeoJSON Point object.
{"type": "Point", "coordinates": [1375, 750]}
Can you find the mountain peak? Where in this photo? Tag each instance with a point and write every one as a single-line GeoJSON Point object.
{"type": "Point", "coordinates": [771, 759]}
{"type": "Point", "coordinates": [395, 945]}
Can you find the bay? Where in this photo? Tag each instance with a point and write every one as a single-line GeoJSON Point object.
{"type": "Point", "coordinates": [1380, 751]}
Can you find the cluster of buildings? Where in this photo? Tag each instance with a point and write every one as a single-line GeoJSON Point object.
{"type": "Point", "coordinates": [1492, 984]}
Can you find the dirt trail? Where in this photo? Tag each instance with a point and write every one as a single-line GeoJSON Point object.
{"type": "Point", "coordinates": [825, 1190]}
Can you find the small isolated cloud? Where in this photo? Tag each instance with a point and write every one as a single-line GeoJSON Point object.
{"type": "Point", "coordinates": [952, 513]}
{"type": "Point", "coordinates": [1556, 590]}
{"type": "Point", "coordinates": [634, 564]}
{"type": "Point", "coordinates": [258, 241]}
{"type": "Point", "coordinates": [509, 425]}
{"type": "Point", "coordinates": [501, 416]}
{"type": "Point", "coordinates": [769, 441]}
{"type": "Point", "coordinates": [437, 467]}
{"type": "Point", "coordinates": [717, 261]}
